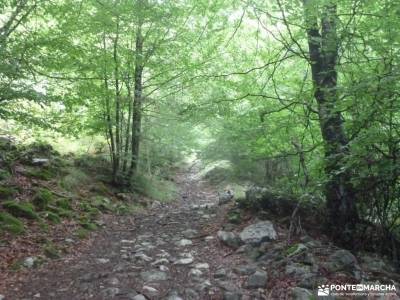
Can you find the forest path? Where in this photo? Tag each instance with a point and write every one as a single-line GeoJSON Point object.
{"type": "Point", "coordinates": [167, 252]}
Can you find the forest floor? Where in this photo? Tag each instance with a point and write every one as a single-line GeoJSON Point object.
{"type": "Point", "coordinates": [166, 251]}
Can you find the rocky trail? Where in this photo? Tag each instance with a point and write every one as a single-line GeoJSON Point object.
{"type": "Point", "coordinates": [187, 250]}
{"type": "Point", "coordinates": [168, 252]}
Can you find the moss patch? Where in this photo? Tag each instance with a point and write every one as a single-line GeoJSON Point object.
{"type": "Point", "coordinates": [10, 223]}
{"type": "Point", "coordinates": [64, 204]}
{"type": "Point", "coordinates": [4, 174]}
{"type": "Point", "coordinates": [24, 210]}
{"type": "Point", "coordinates": [7, 192]}
{"type": "Point", "coordinates": [234, 217]}
{"type": "Point", "coordinates": [51, 251]}
{"type": "Point", "coordinates": [51, 216]}
{"type": "Point", "coordinates": [82, 233]}
{"type": "Point", "coordinates": [42, 198]}
{"type": "Point", "coordinates": [40, 173]}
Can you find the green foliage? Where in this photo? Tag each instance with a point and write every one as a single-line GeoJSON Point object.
{"type": "Point", "coordinates": [74, 180]}
{"type": "Point", "coordinates": [155, 188]}
{"type": "Point", "coordinates": [42, 198]}
{"type": "Point", "coordinates": [11, 224]}
{"type": "Point", "coordinates": [40, 173]}
{"type": "Point", "coordinates": [24, 210]}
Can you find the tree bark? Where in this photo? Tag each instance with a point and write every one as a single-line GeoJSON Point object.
{"type": "Point", "coordinates": [323, 55]}
{"type": "Point", "coordinates": [137, 102]}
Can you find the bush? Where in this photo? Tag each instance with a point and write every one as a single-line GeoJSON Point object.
{"type": "Point", "coordinates": [24, 210]}
{"type": "Point", "coordinates": [42, 198]}
{"type": "Point", "coordinates": [11, 224]}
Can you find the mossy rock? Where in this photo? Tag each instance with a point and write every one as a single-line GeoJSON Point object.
{"type": "Point", "coordinates": [7, 192]}
{"type": "Point", "coordinates": [11, 224]}
{"type": "Point", "coordinates": [42, 198]}
{"type": "Point", "coordinates": [64, 204]}
{"type": "Point", "coordinates": [4, 174]}
{"type": "Point", "coordinates": [52, 217]}
{"type": "Point", "coordinates": [24, 210]}
{"type": "Point", "coordinates": [40, 173]}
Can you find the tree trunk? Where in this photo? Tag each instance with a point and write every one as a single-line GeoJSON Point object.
{"type": "Point", "coordinates": [323, 54]}
{"type": "Point", "coordinates": [117, 103]}
{"type": "Point", "coordinates": [108, 116]}
{"type": "Point", "coordinates": [137, 102]}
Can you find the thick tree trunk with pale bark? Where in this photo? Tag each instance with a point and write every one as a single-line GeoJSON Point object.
{"type": "Point", "coordinates": [323, 55]}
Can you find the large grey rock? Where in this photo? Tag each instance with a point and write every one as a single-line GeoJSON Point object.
{"type": "Point", "coordinates": [258, 279]}
{"type": "Point", "coordinates": [341, 260]}
{"type": "Point", "coordinates": [258, 233]}
{"type": "Point", "coordinates": [298, 293]}
{"type": "Point", "coordinates": [297, 270]}
{"type": "Point", "coordinates": [110, 293]}
{"type": "Point", "coordinates": [190, 233]}
{"type": "Point", "coordinates": [244, 270]}
{"type": "Point", "coordinates": [154, 275]}
{"type": "Point", "coordinates": [184, 261]}
{"type": "Point", "coordinates": [229, 238]}
{"type": "Point", "coordinates": [184, 242]}
{"type": "Point", "coordinates": [232, 296]}
{"type": "Point", "coordinates": [191, 294]}
{"type": "Point", "coordinates": [139, 297]}
{"type": "Point", "coordinates": [375, 264]}
{"type": "Point", "coordinates": [225, 197]}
